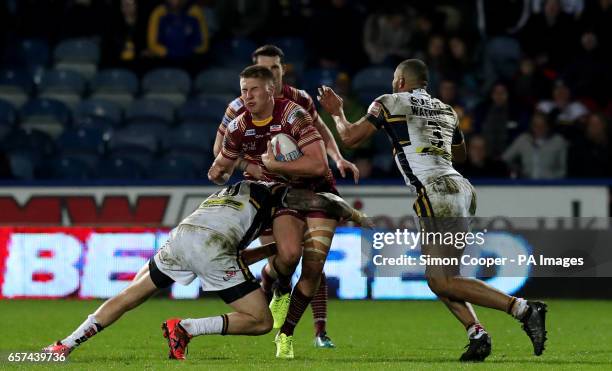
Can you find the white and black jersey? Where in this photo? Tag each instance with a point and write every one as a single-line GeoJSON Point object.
{"type": "Point", "coordinates": [422, 130]}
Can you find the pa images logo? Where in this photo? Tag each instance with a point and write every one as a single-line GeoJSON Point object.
{"type": "Point", "coordinates": [230, 273]}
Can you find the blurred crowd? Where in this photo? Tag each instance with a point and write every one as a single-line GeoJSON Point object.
{"type": "Point", "coordinates": [528, 78]}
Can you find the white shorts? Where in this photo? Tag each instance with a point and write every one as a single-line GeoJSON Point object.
{"type": "Point", "coordinates": [450, 196]}
{"type": "Point", "coordinates": [193, 251]}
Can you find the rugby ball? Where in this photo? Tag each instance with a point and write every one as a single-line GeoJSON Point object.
{"type": "Point", "coordinates": [285, 148]}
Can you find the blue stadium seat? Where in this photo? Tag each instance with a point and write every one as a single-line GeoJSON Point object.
{"type": "Point", "coordinates": [70, 168]}
{"type": "Point", "coordinates": [371, 82]}
{"type": "Point", "coordinates": [218, 81]}
{"type": "Point", "coordinates": [63, 85]}
{"type": "Point", "coordinates": [192, 140]}
{"type": "Point", "coordinates": [34, 145]}
{"type": "Point", "coordinates": [120, 168]}
{"type": "Point", "coordinates": [174, 168]}
{"type": "Point", "coordinates": [80, 55]}
{"type": "Point", "coordinates": [115, 85]}
{"type": "Point", "coordinates": [171, 84]}
{"type": "Point", "coordinates": [205, 110]}
{"type": "Point", "coordinates": [86, 144]}
{"type": "Point", "coordinates": [33, 54]}
{"type": "Point", "coordinates": [98, 109]}
{"type": "Point", "coordinates": [151, 114]}
{"type": "Point", "coordinates": [502, 57]}
{"type": "Point", "coordinates": [15, 85]}
{"type": "Point", "coordinates": [48, 115]}
{"type": "Point", "coordinates": [314, 78]}
{"type": "Point", "coordinates": [134, 143]}
{"type": "Point", "coordinates": [235, 52]}
{"type": "Point", "coordinates": [21, 166]}
{"type": "Point", "coordinates": [8, 118]}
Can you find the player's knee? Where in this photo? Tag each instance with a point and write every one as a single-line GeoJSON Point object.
{"type": "Point", "coordinates": [263, 323]}
{"type": "Point", "coordinates": [440, 285]}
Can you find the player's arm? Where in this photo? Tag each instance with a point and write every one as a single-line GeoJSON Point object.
{"type": "Point", "coordinates": [252, 256]}
{"type": "Point", "coordinates": [313, 162]}
{"type": "Point", "coordinates": [458, 146]}
{"type": "Point", "coordinates": [306, 200]}
{"type": "Point", "coordinates": [221, 169]}
{"type": "Point", "coordinates": [333, 151]}
{"type": "Point", "coordinates": [352, 135]}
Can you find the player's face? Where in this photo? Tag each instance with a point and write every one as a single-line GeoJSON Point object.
{"type": "Point", "coordinates": [275, 65]}
{"type": "Point", "coordinates": [257, 94]}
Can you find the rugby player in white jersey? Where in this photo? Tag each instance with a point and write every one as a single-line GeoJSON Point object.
{"type": "Point", "coordinates": [425, 137]}
{"type": "Point", "coordinates": [207, 245]}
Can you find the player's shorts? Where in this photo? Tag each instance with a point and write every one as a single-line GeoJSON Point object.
{"type": "Point", "coordinates": [450, 196]}
{"type": "Point", "coordinates": [192, 252]}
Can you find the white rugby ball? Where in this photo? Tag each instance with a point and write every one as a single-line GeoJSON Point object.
{"type": "Point", "coordinates": [285, 148]}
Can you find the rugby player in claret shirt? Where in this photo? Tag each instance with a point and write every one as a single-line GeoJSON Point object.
{"type": "Point", "coordinates": [248, 136]}
{"type": "Point", "coordinates": [271, 56]}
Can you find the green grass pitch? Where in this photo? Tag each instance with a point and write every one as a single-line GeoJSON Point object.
{"type": "Point", "coordinates": [369, 335]}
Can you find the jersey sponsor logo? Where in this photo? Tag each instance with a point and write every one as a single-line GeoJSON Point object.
{"type": "Point", "coordinates": [295, 114]}
{"type": "Point", "coordinates": [375, 109]}
{"type": "Point", "coordinates": [230, 273]}
{"type": "Point", "coordinates": [276, 128]}
{"type": "Point", "coordinates": [232, 126]}
{"type": "Point", "coordinates": [249, 132]}
{"type": "Point", "coordinates": [221, 202]}
{"type": "Point", "coordinates": [236, 104]}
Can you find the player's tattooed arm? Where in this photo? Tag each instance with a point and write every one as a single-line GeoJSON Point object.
{"type": "Point", "coordinates": [334, 152]}
{"type": "Point", "coordinates": [352, 135]}
{"type": "Point", "coordinates": [221, 170]}
{"type": "Point", "coordinates": [306, 200]}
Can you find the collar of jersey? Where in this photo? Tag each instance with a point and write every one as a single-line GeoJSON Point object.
{"type": "Point", "coordinates": [263, 122]}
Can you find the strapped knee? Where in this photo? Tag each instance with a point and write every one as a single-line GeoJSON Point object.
{"type": "Point", "coordinates": [317, 241]}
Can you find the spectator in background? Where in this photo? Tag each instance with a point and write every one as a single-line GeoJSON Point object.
{"type": "Point", "coordinates": [589, 156]}
{"type": "Point", "coordinates": [497, 120]}
{"type": "Point", "coordinates": [562, 111]}
{"type": "Point", "coordinates": [126, 40]}
{"type": "Point", "coordinates": [570, 7]}
{"type": "Point", "coordinates": [540, 153]}
{"type": "Point", "coordinates": [243, 18]}
{"type": "Point", "coordinates": [597, 17]}
{"type": "Point", "coordinates": [588, 75]}
{"type": "Point", "coordinates": [550, 36]}
{"type": "Point", "coordinates": [448, 94]}
{"type": "Point", "coordinates": [176, 31]}
{"type": "Point", "coordinates": [479, 164]}
{"type": "Point", "coordinates": [529, 84]}
{"type": "Point", "coordinates": [387, 35]}
{"type": "Point", "coordinates": [501, 17]}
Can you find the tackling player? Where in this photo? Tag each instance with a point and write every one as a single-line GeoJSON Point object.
{"type": "Point", "coordinates": [425, 137]}
{"type": "Point", "coordinates": [271, 56]}
{"type": "Point", "coordinates": [248, 136]}
{"type": "Point", "coordinates": [206, 245]}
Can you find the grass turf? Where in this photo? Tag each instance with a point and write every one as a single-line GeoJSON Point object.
{"type": "Point", "coordinates": [368, 334]}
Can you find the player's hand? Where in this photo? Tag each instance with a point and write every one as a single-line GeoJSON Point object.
{"type": "Point", "coordinates": [268, 159]}
{"type": "Point", "coordinates": [330, 101]}
{"type": "Point", "coordinates": [343, 165]}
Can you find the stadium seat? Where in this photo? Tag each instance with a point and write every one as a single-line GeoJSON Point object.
{"type": "Point", "coordinates": [70, 168]}
{"type": "Point", "coordinates": [31, 55]}
{"type": "Point", "coordinates": [80, 55]}
{"type": "Point", "coordinates": [63, 85]}
{"type": "Point", "coordinates": [47, 115]}
{"type": "Point", "coordinates": [134, 143]}
{"type": "Point", "coordinates": [98, 109]}
{"type": "Point", "coordinates": [34, 145]}
{"type": "Point", "coordinates": [115, 85]}
{"type": "Point", "coordinates": [170, 84]}
{"type": "Point", "coordinates": [314, 78]}
{"type": "Point", "coordinates": [372, 82]}
{"type": "Point", "coordinates": [120, 168]}
{"type": "Point", "coordinates": [8, 118]}
{"type": "Point", "coordinates": [205, 110]}
{"type": "Point", "coordinates": [502, 57]}
{"type": "Point", "coordinates": [15, 85]}
{"type": "Point", "coordinates": [191, 140]}
{"type": "Point", "coordinates": [234, 53]}
{"type": "Point", "coordinates": [174, 168]}
{"type": "Point", "coordinates": [153, 115]}
{"type": "Point", "coordinates": [21, 165]}
{"type": "Point", "coordinates": [218, 81]}
{"type": "Point", "coordinates": [86, 144]}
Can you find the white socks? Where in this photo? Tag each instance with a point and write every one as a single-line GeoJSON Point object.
{"type": "Point", "coordinates": [86, 330]}
{"type": "Point", "coordinates": [519, 308]}
{"type": "Point", "coordinates": [475, 331]}
{"type": "Point", "coordinates": [203, 326]}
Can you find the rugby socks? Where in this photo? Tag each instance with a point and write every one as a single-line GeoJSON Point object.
{"type": "Point", "coordinates": [205, 326]}
{"type": "Point", "coordinates": [475, 331]}
{"type": "Point", "coordinates": [86, 330]}
{"type": "Point", "coordinates": [319, 307]}
{"type": "Point", "coordinates": [266, 283]}
{"type": "Point", "coordinates": [518, 307]}
{"type": "Point", "coordinates": [284, 281]}
{"type": "Point", "coordinates": [299, 303]}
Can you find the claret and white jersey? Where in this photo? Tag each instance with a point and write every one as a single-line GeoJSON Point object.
{"type": "Point", "coordinates": [422, 130]}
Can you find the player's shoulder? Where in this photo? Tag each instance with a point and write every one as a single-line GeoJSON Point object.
{"type": "Point", "coordinates": [236, 105]}
{"type": "Point", "coordinates": [238, 123]}
{"type": "Point", "coordinates": [295, 94]}
{"type": "Point", "coordinates": [294, 112]}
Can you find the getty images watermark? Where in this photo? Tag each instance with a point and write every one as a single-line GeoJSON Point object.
{"type": "Point", "coordinates": [484, 247]}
